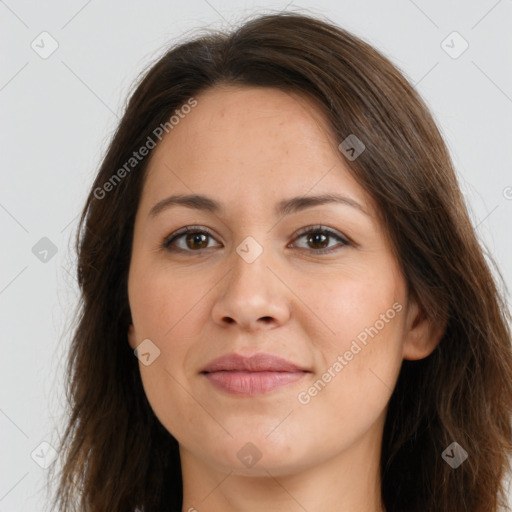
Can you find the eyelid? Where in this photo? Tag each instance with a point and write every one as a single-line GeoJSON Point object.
{"type": "Point", "coordinates": [321, 227]}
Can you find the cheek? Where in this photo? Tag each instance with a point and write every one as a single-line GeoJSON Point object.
{"type": "Point", "coordinates": [162, 303]}
{"type": "Point", "coordinates": [163, 313]}
{"type": "Point", "coordinates": [356, 378]}
{"type": "Point", "coordinates": [360, 349]}
{"type": "Point", "coordinates": [351, 302]}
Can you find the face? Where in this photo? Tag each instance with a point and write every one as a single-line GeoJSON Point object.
{"type": "Point", "coordinates": [315, 284]}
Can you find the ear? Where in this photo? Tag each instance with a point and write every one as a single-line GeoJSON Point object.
{"type": "Point", "coordinates": [422, 334]}
{"type": "Point", "coordinates": [131, 336]}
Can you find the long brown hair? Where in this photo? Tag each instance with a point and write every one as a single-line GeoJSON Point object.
{"type": "Point", "coordinates": [116, 454]}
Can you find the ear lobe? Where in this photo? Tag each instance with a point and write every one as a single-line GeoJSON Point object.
{"type": "Point", "coordinates": [131, 336]}
{"type": "Point", "coordinates": [422, 334]}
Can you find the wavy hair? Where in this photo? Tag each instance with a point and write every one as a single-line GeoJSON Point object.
{"type": "Point", "coordinates": [117, 456]}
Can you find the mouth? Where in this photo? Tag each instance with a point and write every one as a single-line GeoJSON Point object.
{"type": "Point", "coordinates": [252, 383]}
{"type": "Point", "coordinates": [254, 375]}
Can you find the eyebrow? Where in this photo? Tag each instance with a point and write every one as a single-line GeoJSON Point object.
{"type": "Point", "coordinates": [284, 207]}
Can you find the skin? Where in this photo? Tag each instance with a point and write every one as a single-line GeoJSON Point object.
{"type": "Point", "coordinates": [249, 148]}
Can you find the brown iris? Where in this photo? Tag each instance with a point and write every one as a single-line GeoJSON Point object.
{"type": "Point", "coordinates": [318, 238]}
{"type": "Point", "coordinates": [199, 238]}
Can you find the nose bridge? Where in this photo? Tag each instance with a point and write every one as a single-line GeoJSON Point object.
{"type": "Point", "coordinates": [251, 291]}
{"type": "Point", "coordinates": [250, 263]}
{"type": "Point", "coordinates": [250, 276]}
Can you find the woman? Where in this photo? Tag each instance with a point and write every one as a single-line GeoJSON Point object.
{"type": "Point", "coordinates": [277, 233]}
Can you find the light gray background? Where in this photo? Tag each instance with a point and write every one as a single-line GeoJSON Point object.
{"type": "Point", "coordinates": [58, 114]}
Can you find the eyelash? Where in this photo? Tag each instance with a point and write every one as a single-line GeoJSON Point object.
{"type": "Point", "coordinates": [304, 231]}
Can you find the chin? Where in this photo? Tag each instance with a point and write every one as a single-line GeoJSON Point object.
{"type": "Point", "coordinates": [261, 457]}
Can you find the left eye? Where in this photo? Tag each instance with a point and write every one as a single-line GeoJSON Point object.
{"type": "Point", "coordinates": [319, 235]}
{"type": "Point", "coordinates": [196, 239]}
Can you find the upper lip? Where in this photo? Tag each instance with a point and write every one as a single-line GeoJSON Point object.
{"type": "Point", "coordinates": [257, 363]}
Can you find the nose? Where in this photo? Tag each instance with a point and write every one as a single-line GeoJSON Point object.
{"type": "Point", "coordinates": [252, 295]}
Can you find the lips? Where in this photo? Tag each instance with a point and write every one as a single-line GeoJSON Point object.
{"type": "Point", "coordinates": [258, 363]}
{"type": "Point", "coordinates": [253, 375]}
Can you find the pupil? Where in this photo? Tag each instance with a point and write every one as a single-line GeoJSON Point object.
{"type": "Point", "coordinates": [316, 240]}
{"type": "Point", "coordinates": [196, 238]}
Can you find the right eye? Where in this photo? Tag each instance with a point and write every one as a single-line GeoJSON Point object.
{"type": "Point", "coordinates": [195, 239]}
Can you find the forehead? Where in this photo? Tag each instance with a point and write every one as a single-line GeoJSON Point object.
{"type": "Point", "coordinates": [251, 120]}
{"type": "Point", "coordinates": [241, 141]}
{"type": "Point", "coordinates": [231, 107]}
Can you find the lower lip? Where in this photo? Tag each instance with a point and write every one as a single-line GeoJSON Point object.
{"type": "Point", "coordinates": [252, 383]}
